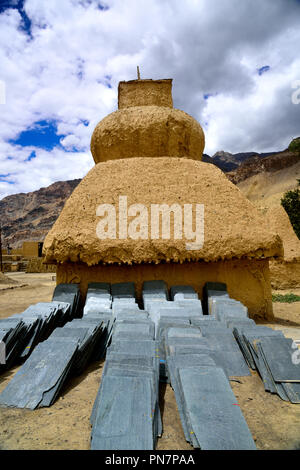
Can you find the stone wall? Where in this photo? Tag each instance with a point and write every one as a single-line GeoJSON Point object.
{"type": "Point", "coordinates": [36, 265]}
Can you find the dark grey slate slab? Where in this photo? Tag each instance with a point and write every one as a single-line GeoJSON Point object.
{"type": "Point", "coordinates": [215, 416]}
{"type": "Point", "coordinates": [144, 348]}
{"type": "Point", "coordinates": [213, 328]}
{"type": "Point", "coordinates": [236, 322]}
{"type": "Point", "coordinates": [278, 353]}
{"type": "Point", "coordinates": [41, 372]}
{"type": "Point", "coordinates": [181, 292]}
{"type": "Point", "coordinates": [223, 341]}
{"type": "Point", "coordinates": [124, 420]}
{"type": "Point", "coordinates": [178, 332]}
{"type": "Point", "coordinates": [292, 390]}
{"type": "Point", "coordinates": [210, 289]}
{"type": "Point", "coordinates": [96, 306]}
{"type": "Point", "coordinates": [262, 368]}
{"type": "Point", "coordinates": [69, 293]}
{"type": "Point", "coordinates": [123, 290]}
{"type": "Point", "coordinates": [32, 326]}
{"type": "Point", "coordinates": [155, 289]}
{"type": "Point", "coordinates": [124, 360]}
{"type": "Point", "coordinates": [245, 335]}
{"type": "Point", "coordinates": [125, 330]}
{"type": "Point", "coordinates": [203, 320]}
{"type": "Point", "coordinates": [193, 304]}
{"type": "Point", "coordinates": [227, 308]}
{"type": "Point", "coordinates": [232, 362]}
{"type": "Point", "coordinates": [99, 290]}
{"type": "Point", "coordinates": [132, 371]}
{"type": "Point", "coordinates": [174, 364]}
{"type": "Point", "coordinates": [188, 349]}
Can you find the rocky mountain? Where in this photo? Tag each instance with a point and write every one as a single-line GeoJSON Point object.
{"type": "Point", "coordinates": [262, 177]}
{"type": "Point", "coordinates": [229, 162]}
{"type": "Point", "coordinates": [265, 184]}
{"type": "Point", "coordinates": [29, 216]}
{"type": "Point", "coordinates": [258, 164]}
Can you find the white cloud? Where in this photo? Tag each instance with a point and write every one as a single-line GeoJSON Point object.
{"type": "Point", "coordinates": [62, 72]}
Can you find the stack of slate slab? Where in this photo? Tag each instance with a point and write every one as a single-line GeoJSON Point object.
{"type": "Point", "coordinates": [69, 293]}
{"type": "Point", "coordinates": [154, 291]}
{"type": "Point", "coordinates": [276, 358]}
{"type": "Point", "coordinates": [123, 290]}
{"type": "Point", "coordinates": [126, 413]}
{"type": "Point", "coordinates": [123, 298]}
{"type": "Point", "coordinates": [92, 335]}
{"type": "Point", "coordinates": [25, 330]}
{"type": "Point", "coordinates": [183, 292]}
{"type": "Point", "coordinates": [159, 307]}
{"type": "Point", "coordinates": [98, 306]}
{"type": "Point", "coordinates": [165, 313]}
{"type": "Point", "coordinates": [98, 299]}
{"type": "Point", "coordinates": [67, 351]}
{"type": "Point", "coordinates": [39, 380]}
{"type": "Point", "coordinates": [14, 333]}
{"type": "Point", "coordinates": [213, 291]}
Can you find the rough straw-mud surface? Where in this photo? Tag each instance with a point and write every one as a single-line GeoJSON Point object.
{"type": "Point", "coordinates": [233, 228]}
{"type": "Point", "coordinates": [145, 93]}
{"type": "Point", "coordinates": [284, 273]}
{"type": "Point", "coordinates": [279, 221]}
{"type": "Point", "coordinates": [273, 423]}
{"type": "Point", "coordinates": [147, 131]}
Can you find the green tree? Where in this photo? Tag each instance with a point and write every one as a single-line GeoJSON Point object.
{"type": "Point", "coordinates": [295, 145]}
{"type": "Point", "coordinates": [291, 204]}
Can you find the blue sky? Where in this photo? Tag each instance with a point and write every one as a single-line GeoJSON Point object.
{"type": "Point", "coordinates": [233, 64]}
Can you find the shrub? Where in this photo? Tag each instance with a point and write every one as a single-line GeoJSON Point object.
{"type": "Point", "coordinates": [295, 145]}
{"type": "Point", "coordinates": [289, 298]}
{"type": "Point", "coordinates": [291, 204]}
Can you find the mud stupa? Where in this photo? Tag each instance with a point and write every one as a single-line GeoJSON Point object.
{"type": "Point", "coordinates": [148, 158]}
{"type": "Point", "coordinates": [284, 273]}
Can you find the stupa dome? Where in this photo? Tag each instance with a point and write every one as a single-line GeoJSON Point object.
{"type": "Point", "coordinates": [147, 125]}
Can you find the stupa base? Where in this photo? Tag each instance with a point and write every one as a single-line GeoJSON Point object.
{"type": "Point", "coordinates": [247, 280]}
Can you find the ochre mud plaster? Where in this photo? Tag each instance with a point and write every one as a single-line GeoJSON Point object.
{"type": "Point", "coordinates": [284, 274]}
{"type": "Point", "coordinates": [233, 227]}
{"type": "Point", "coordinates": [247, 280]}
{"type": "Point", "coordinates": [145, 93]}
{"type": "Point", "coordinates": [147, 131]}
{"type": "Point", "coordinates": [147, 125]}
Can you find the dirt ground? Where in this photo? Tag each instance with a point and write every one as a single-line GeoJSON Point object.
{"type": "Point", "coordinates": [274, 424]}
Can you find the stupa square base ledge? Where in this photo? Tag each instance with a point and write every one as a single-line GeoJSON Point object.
{"type": "Point", "coordinates": [247, 280]}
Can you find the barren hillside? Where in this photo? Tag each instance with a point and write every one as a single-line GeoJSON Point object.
{"type": "Point", "coordinates": [30, 216]}
{"type": "Point", "coordinates": [268, 187]}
